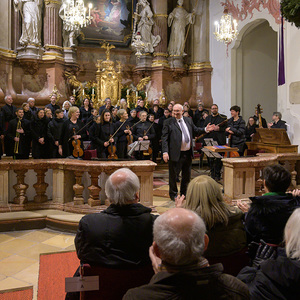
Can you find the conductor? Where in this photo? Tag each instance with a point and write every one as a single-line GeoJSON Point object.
{"type": "Point", "coordinates": [177, 148]}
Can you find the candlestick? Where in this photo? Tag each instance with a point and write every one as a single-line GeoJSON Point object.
{"type": "Point", "coordinates": [74, 92]}
{"type": "Point", "coordinates": [83, 92]}
{"type": "Point", "coordinates": [93, 91]}
{"type": "Point", "coordinates": [128, 91]}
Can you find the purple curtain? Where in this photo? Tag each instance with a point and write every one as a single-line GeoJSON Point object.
{"type": "Point", "coordinates": [281, 68]}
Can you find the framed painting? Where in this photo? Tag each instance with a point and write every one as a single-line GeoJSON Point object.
{"type": "Point", "coordinates": [112, 22]}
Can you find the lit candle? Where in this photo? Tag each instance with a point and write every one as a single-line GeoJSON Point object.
{"type": "Point", "coordinates": [146, 94]}
{"type": "Point", "coordinates": [73, 91]}
{"type": "Point", "coordinates": [90, 7]}
{"type": "Point", "coordinates": [93, 91]}
{"type": "Point", "coordinates": [128, 91]}
{"type": "Point", "coordinates": [83, 92]}
{"type": "Point", "coordinates": [136, 93]}
{"type": "Point", "coordinates": [216, 26]}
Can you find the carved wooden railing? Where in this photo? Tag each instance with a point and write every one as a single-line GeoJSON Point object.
{"type": "Point", "coordinates": [67, 180]}
{"type": "Point", "coordinates": [243, 176]}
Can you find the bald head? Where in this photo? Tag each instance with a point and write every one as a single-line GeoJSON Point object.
{"type": "Point", "coordinates": [179, 235]}
{"type": "Point", "coordinates": [122, 187]}
{"type": "Point", "coordinates": [178, 111]}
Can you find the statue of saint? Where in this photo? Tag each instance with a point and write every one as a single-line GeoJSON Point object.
{"type": "Point", "coordinates": [31, 12]}
{"type": "Point", "coordinates": [179, 18]}
{"type": "Point", "coordinates": [144, 26]}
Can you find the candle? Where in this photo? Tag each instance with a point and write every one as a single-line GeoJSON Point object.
{"type": "Point", "coordinates": [83, 92]}
{"type": "Point", "coordinates": [73, 91]}
{"type": "Point", "coordinates": [128, 91]}
{"type": "Point", "coordinates": [93, 91]}
{"type": "Point", "coordinates": [136, 93]}
{"type": "Point", "coordinates": [216, 26]}
{"type": "Point", "coordinates": [146, 94]}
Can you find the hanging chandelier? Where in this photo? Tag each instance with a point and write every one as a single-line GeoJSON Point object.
{"type": "Point", "coordinates": [226, 31]}
{"type": "Point", "coordinates": [75, 15]}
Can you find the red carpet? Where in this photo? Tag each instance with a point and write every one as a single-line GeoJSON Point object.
{"type": "Point", "coordinates": [54, 268]}
{"type": "Point", "coordinates": [23, 294]}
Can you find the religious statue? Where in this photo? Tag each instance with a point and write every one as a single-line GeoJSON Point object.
{"type": "Point", "coordinates": [144, 26]}
{"type": "Point", "coordinates": [108, 47]}
{"type": "Point", "coordinates": [31, 12]}
{"type": "Point", "coordinates": [69, 34]}
{"type": "Point", "coordinates": [179, 18]}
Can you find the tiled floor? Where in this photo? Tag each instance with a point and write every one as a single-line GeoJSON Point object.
{"type": "Point", "coordinates": [20, 251]}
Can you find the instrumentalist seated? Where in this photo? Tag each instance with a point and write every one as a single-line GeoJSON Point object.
{"type": "Point", "coordinates": [277, 122]}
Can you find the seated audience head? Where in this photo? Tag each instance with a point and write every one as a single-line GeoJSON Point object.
{"type": "Point", "coordinates": [276, 116]}
{"type": "Point", "coordinates": [73, 112]}
{"type": "Point", "coordinates": [8, 99]}
{"type": "Point", "coordinates": [204, 197]}
{"type": "Point", "coordinates": [25, 106]}
{"type": "Point", "coordinates": [31, 102]}
{"type": "Point", "coordinates": [235, 111]}
{"type": "Point", "coordinates": [105, 116]}
{"type": "Point", "coordinates": [178, 111]}
{"type": "Point", "coordinates": [66, 105]}
{"type": "Point", "coordinates": [59, 114]}
{"type": "Point", "coordinates": [277, 179]}
{"type": "Point", "coordinates": [122, 187]}
{"type": "Point", "coordinates": [292, 235]}
{"type": "Point", "coordinates": [179, 237]}
{"type": "Point", "coordinates": [53, 99]}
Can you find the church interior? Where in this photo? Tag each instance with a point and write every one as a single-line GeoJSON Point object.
{"type": "Point", "coordinates": [227, 67]}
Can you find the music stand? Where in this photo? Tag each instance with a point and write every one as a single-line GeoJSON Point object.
{"type": "Point", "coordinates": [138, 146]}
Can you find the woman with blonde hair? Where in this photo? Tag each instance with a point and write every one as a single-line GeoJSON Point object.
{"type": "Point", "coordinates": [224, 223]}
{"type": "Point", "coordinates": [65, 107]}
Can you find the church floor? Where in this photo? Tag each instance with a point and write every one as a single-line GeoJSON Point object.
{"type": "Point", "coordinates": [20, 250]}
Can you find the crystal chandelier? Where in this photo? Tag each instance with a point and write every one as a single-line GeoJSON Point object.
{"type": "Point", "coordinates": [226, 31]}
{"type": "Point", "coordinates": [75, 16]}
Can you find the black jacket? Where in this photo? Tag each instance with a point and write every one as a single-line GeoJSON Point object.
{"type": "Point", "coordinates": [249, 131]}
{"type": "Point", "coordinates": [139, 129]}
{"type": "Point", "coordinates": [84, 114]}
{"type": "Point", "coordinates": [274, 279]}
{"type": "Point", "coordinates": [172, 136]}
{"type": "Point", "coordinates": [279, 124]}
{"type": "Point", "coordinates": [267, 217]}
{"type": "Point", "coordinates": [55, 129]}
{"type": "Point", "coordinates": [118, 237]}
{"type": "Point", "coordinates": [238, 137]}
{"type": "Point", "coordinates": [220, 135]}
{"type": "Point", "coordinates": [157, 114]}
{"type": "Point", "coordinates": [193, 284]}
{"type": "Point", "coordinates": [8, 113]}
{"type": "Point", "coordinates": [53, 108]}
{"type": "Point", "coordinates": [198, 115]}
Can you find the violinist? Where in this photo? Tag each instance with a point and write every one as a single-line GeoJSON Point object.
{"type": "Point", "coordinates": [122, 134]}
{"type": "Point", "coordinates": [72, 135]}
{"type": "Point", "coordinates": [94, 134]}
{"type": "Point", "coordinates": [107, 129]}
{"type": "Point", "coordinates": [143, 131]}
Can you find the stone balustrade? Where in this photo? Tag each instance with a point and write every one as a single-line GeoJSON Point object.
{"type": "Point", "coordinates": [68, 181]}
{"type": "Point", "coordinates": [243, 176]}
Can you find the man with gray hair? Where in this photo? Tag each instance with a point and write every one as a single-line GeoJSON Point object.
{"type": "Point", "coordinates": [277, 122]}
{"type": "Point", "coordinates": [32, 107]}
{"type": "Point", "coordinates": [181, 272]}
{"type": "Point", "coordinates": [120, 236]}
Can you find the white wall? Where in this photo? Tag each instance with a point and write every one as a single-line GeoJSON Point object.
{"type": "Point", "coordinates": [5, 24]}
{"type": "Point", "coordinates": [224, 79]}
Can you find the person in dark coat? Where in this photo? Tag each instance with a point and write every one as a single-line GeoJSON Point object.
{"type": "Point", "coordinates": [187, 108]}
{"type": "Point", "coordinates": [276, 275]}
{"type": "Point", "coordinates": [156, 110]}
{"type": "Point", "coordinates": [54, 131]}
{"type": "Point", "coordinates": [235, 130]}
{"type": "Point", "coordinates": [28, 115]}
{"type": "Point", "coordinates": [72, 130]}
{"type": "Point", "coordinates": [85, 111]}
{"type": "Point", "coordinates": [120, 236]}
{"type": "Point", "coordinates": [181, 271]}
{"type": "Point", "coordinates": [53, 106]}
{"type": "Point", "coordinates": [268, 214]}
{"type": "Point", "coordinates": [124, 131]}
{"type": "Point", "coordinates": [107, 106]}
{"type": "Point", "coordinates": [199, 113]}
{"type": "Point", "coordinates": [250, 129]}
{"type": "Point", "coordinates": [8, 113]}
{"type": "Point", "coordinates": [141, 107]}
{"type": "Point", "coordinates": [143, 131]}
{"type": "Point", "coordinates": [32, 107]}
{"type": "Point", "coordinates": [40, 141]}
{"type": "Point", "coordinates": [277, 123]}
{"type": "Point", "coordinates": [21, 136]}
{"type": "Point", "coordinates": [133, 117]}
{"type": "Point", "coordinates": [177, 148]}
{"type": "Point", "coordinates": [155, 141]}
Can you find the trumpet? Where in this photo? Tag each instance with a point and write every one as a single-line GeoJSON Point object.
{"type": "Point", "coordinates": [16, 148]}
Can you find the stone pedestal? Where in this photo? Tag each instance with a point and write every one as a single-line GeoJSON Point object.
{"type": "Point", "coordinates": [78, 188]}
{"type": "Point", "coordinates": [144, 61]}
{"type": "Point", "coordinates": [94, 190]}
{"type": "Point", "coordinates": [30, 52]}
{"type": "Point", "coordinates": [70, 55]}
{"type": "Point", "coordinates": [4, 188]}
{"type": "Point", "coordinates": [176, 62]}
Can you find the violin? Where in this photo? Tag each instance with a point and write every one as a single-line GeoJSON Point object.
{"type": "Point", "coordinates": [77, 151]}
{"type": "Point", "coordinates": [129, 137]}
{"type": "Point", "coordinates": [149, 151]}
{"type": "Point", "coordinates": [112, 149]}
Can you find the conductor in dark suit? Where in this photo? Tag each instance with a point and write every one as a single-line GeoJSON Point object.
{"type": "Point", "coordinates": [177, 148]}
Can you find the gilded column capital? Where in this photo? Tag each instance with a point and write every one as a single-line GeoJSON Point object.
{"type": "Point", "coordinates": [160, 15]}
{"type": "Point", "coordinates": [47, 2]}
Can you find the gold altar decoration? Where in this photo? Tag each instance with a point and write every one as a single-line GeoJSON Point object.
{"type": "Point", "coordinates": [56, 93]}
{"type": "Point", "coordinates": [108, 79]}
{"type": "Point", "coordinates": [163, 98]}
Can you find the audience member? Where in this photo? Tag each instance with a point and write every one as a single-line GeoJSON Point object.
{"type": "Point", "coordinates": [273, 277]}
{"type": "Point", "coordinates": [53, 106]}
{"type": "Point", "coordinates": [181, 270]}
{"type": "Point", "coordinates": [268, 214]}
{"type": "Point", "coordinates": [31, 103]}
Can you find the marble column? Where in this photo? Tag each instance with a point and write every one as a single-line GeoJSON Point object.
{"type": "Point", "coordinates": [94, 190]}
{"type": "Point", "coordinates": [78, 188]}
{"type": "Point", "coordinates": [20, 187]}
{"type": "Point", "coordinates": [52, 30]}
{"type": "Point", "coordinates": [200, 68]}
{"type": "Point", "coordinates": [40, 186]}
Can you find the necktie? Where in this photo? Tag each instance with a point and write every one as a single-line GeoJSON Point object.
{"type": "Point", "coordinates": [185, 134]}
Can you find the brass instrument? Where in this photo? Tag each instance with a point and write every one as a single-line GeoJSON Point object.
{"type": "Point", "coordinates": [16, 148]}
